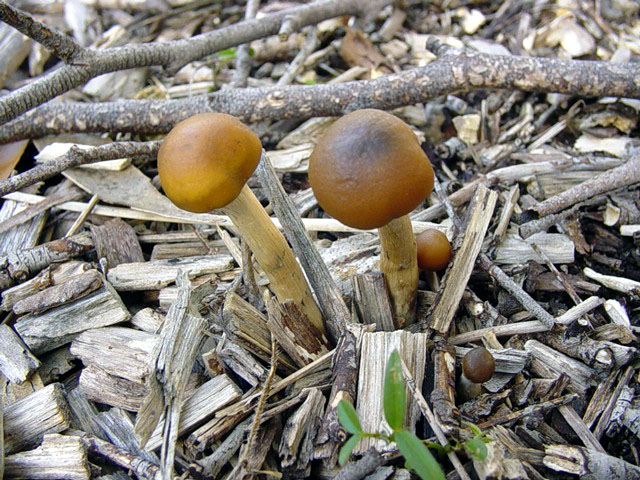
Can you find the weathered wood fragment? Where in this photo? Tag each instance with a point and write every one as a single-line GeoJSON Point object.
{"type": "Point", "coordinates": [73, 289]}
{"type": "Point", "coordinates": [210, 397]}
{"type": "Point", "coordinates": [22, 236]}
{"type": "Point", "coordinates": [593, 353]}
{"type": "Point", "coordinates": [148, 320]}
{"type": "Point", "coordinates": [458, 274]}
{"type": "Point", "coordinates": [588, 464]}
{"type": "Point", "coordinates": [549, 363]}
{"type": "Point", "coordinates": [248, 326]}
{"type": "Point", "coordinates": [52, 275]}
{"type": "Point", "coordinates": [17, 363]}
{"type": "Point", "coordinates": [375, 351]}
{"type": "Point", "coordinates": [117, 243]}
{"type": "Point", "coordinates": [296, 442]}
{"type": "Point", "coordinates": [240, 361]}
{"type": "Point", "coordinates": [58, 456]}
{"type": "Point", "coordinates": [27, 420]}
{"type": "Point", "coordinates": [18, 266]}
{"type": "Point", "coordinates": [372, 301]}
{"type": "Point", "coordinates": [160, 273]}
{"type": "Point", "coordinates": [294, 332]}
{"type": "Point", "coordinates": [443, 395]}
{"type": "Point", "coordinates": [60, 325]}
{"type": "Point", "coordinates": [172, 362]}
{"type": "Point", "coordinates": [514, 250]}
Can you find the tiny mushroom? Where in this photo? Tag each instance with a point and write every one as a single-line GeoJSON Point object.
{"type": "Point", "coordinates": [478, 366]}
{"type": "Point", "coordinates": [434, 250]}
{"type": "Point", "coordinates": [368, 171]}
{"type": "Point", "coordinates": [204, 163]}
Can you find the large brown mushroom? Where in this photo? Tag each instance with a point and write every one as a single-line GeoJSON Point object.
{"type": "Point", "coordinates": [369, 171]}
{"type": "Point", "coordinates": [204, 163]}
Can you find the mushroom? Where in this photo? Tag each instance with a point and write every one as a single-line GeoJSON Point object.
{"type": "Point", "coordinates": [434, 250]}
{"type": "Point", "coordinates": [478, 366]}
{"type": "Point", "coordinates": [204, 163]}
{"type": "Point", "coordinates": [368, 171]}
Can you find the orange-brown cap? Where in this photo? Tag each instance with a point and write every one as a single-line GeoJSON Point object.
{"type": "Point", "coordinates": [478, 365]}
{"type": "Point", "coordinates": [434, 250]}
{"type": "Point", "coordinates": [205, 161]}
{"type": "Point", "coordinates": [368, 168]}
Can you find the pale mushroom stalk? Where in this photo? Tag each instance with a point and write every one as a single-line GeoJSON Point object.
{"type": "Point", "coordinates": [399, 263]}
{"type": "Point", "coordinates": [272, 253]}
{"type": "Point", "coordinates": [203, 164]}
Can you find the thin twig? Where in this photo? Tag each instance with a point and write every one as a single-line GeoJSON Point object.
{"type": "Point", "coordinates": [172, 55]}
{"type": "Point", "coordinates": [76, 157]}
{"type": "Point", "coordinates": [243, 58]}
{"type": "Point", "coordinates": [61, 45]}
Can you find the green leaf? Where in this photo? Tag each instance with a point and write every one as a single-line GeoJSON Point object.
{"type": "Point", "coordinates": [348, 417]}
{"type": "Point", "coordinates": [395, 397]}
{"type": "Point", "coordinates": [417, 456]}
{"type": "Point", "coordinates": [228, 54]}
{"type": "Point", "coordinates": [347, 448]}
{"type": "Point", "coordinates": [476, 448]}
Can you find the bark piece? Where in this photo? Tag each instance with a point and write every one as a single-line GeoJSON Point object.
{"type": "Point", "coordinates": [160, 273]}
{"type": "Point", "coordinates": [73, 289]}
{"type": "Point", "coordinates": [17, 363]}
{"type": "Point", "coordinates": [294, 332]}
{"type": "Point", "coordinates": [58, 457]}
{"type": "Point", "coordinates": [459, 272]}
{"type": "Point", "coordinates": [60, 325]}
{"type": "Point", "coordinates": [18, 266]}
{"type": "Point", "coordinates": [372, 301]}
{"type": "Point", "coordinates": [549, 363]}
{"type": "Point", "coordinates": [27, 420]}
{"type": "Point", "coordinates": [375, 351]}
{"type": "Point", "coordinates": [210, 397]}
{"type": "Point", "coordinates": [296, 442]}
{"type": "Point", "coordinates": [117, 242]}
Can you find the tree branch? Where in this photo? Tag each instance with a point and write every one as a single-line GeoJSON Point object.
{"type": "Point", "coordinates": [454, 71]}
{"type": "Point", "coordinates": [172, 55]}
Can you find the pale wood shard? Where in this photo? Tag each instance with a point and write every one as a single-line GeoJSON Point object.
{"type": "Point", "coordinates": [27, 420]}
{"type": "Point", "coordinates": [122, 352]}
{"type": "Point", "coordinates": [620, 284]}
{"type": "Point", "coordinates": [375, 351]}
{"type": "Point", "coordinates": [459, 272]}
{"type": "Point", "coordinates": [172, 362]}
{"type": "Point", "coordinates": [147, 320]}
{"type": "Point", "coordinates": [294, 332]}
{"type": "Point", "coordinates": [549, 363]}
{"type": "Point", "coordinates": [372, 301]}
{"type": "Point", "coordinates": [102, 387]}
{"type": "Point", "coordinates": [248, 326]}
{"type": "Point", "coordinates": [22, 236]}
{"type": "Point", "coordinates": [588, 464]}
{"type": "Point", "coordinates": [60, 325]}
{"type": "Point", "coordinates": [58, 456]}
{"type": "Point", "coordinates": [17, 363]}
{"type": "Point", "coordinates": [73, 289]}
{"type": "Point", "coordinates": [54, 274]}
{"type": "Point", "coordinates": [210, 397]}
{"type": "Point", "coordinates": [160, 273]}
{"type": "Point", "coordinates": [117, 427]}
{"type": "Point", "coordinates": [117, 242]}
{"type": "Point", "coordinates": [296, 442]}
{"type": "Point", "coordinates": [582, 431]}
{"type": "Point", "coordinates": [514, 250]}
{"type": "Point", "coordinates": [238, 359]}
{"type": "Point", "coordinates": [19, 265]}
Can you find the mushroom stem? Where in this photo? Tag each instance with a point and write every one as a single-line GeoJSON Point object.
{"type": "Point", "coordinates": [273, 254]}
{"type": "Point", "coordinates": [399, 263]}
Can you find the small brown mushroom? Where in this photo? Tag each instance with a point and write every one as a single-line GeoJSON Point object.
{"type": "Point", "coordinates": [204, 163]}
{"type": "Point", "coordinates": [478, 366]}
{"type": "Point", "coordinates": [434, 250]}
{"type": "Point", "coordinates": [368, 171]}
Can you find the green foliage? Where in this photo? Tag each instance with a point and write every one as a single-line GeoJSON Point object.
{"type": "Point", "coordinates": [349, 418]}
{"type": "Point", "coordinates": [347, 448]}
{"type": "Point", "coordinates": [228, 54]}
{"type": "Point", "coordinates": [394, 399]}
{"type": "Point", "coordinates": [415, 451]}
{"type": "Point", "coordinates": [417, 456]}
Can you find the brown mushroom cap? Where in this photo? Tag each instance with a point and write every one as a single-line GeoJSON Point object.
{"type": "Point", "coordinates": [368, 168]}
{"type": "Point", "coordinates": [478, 365]}
{"type": "Point", "coordinates": [205, 161]}
{"type": "Point", "coordinates": [434, 250]}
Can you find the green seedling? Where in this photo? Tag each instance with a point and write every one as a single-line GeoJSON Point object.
{"type": "Point", "coordinates": [415, 451]}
